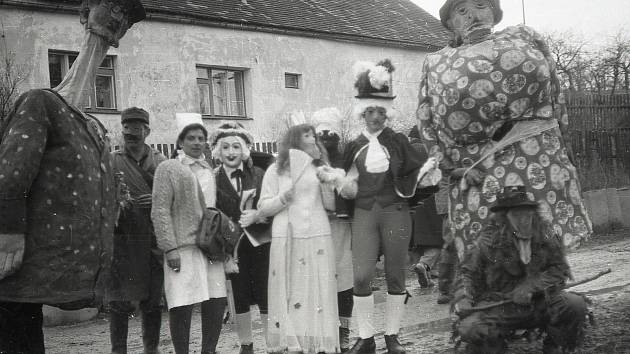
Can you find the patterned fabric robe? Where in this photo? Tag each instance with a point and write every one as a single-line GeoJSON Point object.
{"type": "Point", "coordinates": [470, 97]}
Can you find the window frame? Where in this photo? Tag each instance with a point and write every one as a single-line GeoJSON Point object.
{"type": "Point", "coordinates": [298, 80]}
{"type": "Point", "coordinates": [110, 72]}
{"type": "Point", "coordinates": [208, 81]}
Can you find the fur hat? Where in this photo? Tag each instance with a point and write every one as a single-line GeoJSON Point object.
{"type": "Point", "coordinates": [231, 130]}
{"type": "Point", "coordinates": [374, 87]}
{"type": "Point", "coordinates": [445, 11]}
{"type": "Point", "coordinates": [327, 119]}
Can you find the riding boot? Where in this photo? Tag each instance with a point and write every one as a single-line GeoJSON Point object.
{"type": "Point", "coordinates": [118, 328]}
{"type": "Point", "coordinates": [151, 323]}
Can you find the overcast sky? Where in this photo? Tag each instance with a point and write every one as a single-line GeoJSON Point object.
{"type": "Point", "coordinates": [592, 19]}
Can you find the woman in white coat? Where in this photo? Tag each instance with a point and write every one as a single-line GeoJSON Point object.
{"type": "Point", "coordinates": [182, 187]}
{"type": "Point", "coordinates": [302, 287]}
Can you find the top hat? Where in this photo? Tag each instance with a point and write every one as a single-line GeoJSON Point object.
{"type": "Point", "coordinates": [134, 113]}
{"type": "Point", "coordinates": [445, 10]}
{"type": "Point", "coordinates": [512, 197]}
{"type": "Point", "coordinates": [374, 80]}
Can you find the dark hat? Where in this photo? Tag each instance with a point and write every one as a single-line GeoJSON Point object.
{"type": "Point", "coordinates": [134, 113]}
{"type": "Point", "coordinates": [511, 197]}
{"type": "Point", "coordinates": [374, 80]}
{"type": "Point", "coordinates": [445, 10]}
{"type": "Point", "coordinates": [136, 10]}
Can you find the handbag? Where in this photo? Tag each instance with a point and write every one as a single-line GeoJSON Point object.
{"type": "Point", "coordinates": [219, 234]}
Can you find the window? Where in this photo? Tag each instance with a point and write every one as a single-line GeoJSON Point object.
{"type": "Point", "coordinates": [292, 80]}
{"type": "Point", "coordinates": [221, 92]}
{"type": "Point", "coordinates": [102, 94]}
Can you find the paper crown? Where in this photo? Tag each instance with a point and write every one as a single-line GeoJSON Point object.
{"type": "Point", "coordinates": [374, 80]}
{"type": "Point", "coordinates": [185, 119]}
{"type": "Point", "coordinates": [327, 119]}
{"type": "Point", "coordinates": [295, 118]}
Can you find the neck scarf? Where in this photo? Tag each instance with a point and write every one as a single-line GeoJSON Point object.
{"type": "Point", "coordinates": [377, 159]}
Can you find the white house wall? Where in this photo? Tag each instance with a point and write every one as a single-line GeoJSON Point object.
{"type": "Point", "coordinates": [155, 69]}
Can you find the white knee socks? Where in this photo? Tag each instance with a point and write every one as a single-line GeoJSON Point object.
{"type": "Point", "coordinates": [364, 312]}
{"type": "Point", "coordinates": [244, 327]}
{"type": "Point", "coordinates": [394, 309]}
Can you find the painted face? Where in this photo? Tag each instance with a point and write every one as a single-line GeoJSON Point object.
{"type": "Point", "coordinates": [329, 139]}
{"type": "Point", "coordinates": [193, 143]}
{"type": "Point", "coordinates": [308, 143]}
{"type": "Point", "coordinates": [471, 16]}
{"type": "Point", "coordinates": [522, 222]}
{"type": "Point", "coordinates": [106, 18]}
{"type": "Point", "coordinates": [134, 133]}
{"type": "Point", "coordinates": [231, 151]}
{"type": "Point", "coordinates": [375, 118]}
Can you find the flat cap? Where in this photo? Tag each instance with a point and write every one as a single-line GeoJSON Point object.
{"type": "Point", "coordinates": [134, 113]}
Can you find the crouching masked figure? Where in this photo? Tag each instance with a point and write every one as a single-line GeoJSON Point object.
{"type": "Point", "coordinates": [517, 258]}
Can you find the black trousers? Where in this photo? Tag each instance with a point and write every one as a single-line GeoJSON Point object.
{"type": "Point", "coordinates": [249, 285]}
{"type": "Point", "coordinates": [21, 328]}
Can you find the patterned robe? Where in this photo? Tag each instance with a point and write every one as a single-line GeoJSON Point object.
{"type": "Point", "coordinates": [470, 97]}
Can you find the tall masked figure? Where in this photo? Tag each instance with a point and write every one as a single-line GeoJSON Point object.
{"type": "Point", "coordinates": [490, 109]}
{"type": "Point", "coordinates": [57, 199]}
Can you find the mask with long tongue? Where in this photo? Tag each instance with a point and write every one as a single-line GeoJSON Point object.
{"type": "Point", "coordinates": [521, 222]}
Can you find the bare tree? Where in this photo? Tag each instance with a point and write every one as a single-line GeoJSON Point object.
{"type": "Point", "coordinates": [568, 52]}
{"type": "Point", "coordinates": [12, 74]}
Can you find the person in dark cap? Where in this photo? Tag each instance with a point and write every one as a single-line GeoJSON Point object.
{"type": "Point", "coordinates": [136, 273]}
{"type": "Point", "coordinates": [518, 257]}
{"type": "Point", "coordinates": [57, 199]}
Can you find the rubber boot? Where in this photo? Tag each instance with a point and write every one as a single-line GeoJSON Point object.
{"type": "Point", "coordinates": [118, 329]}
{"type": "Point", "coordinates": [151, 323]}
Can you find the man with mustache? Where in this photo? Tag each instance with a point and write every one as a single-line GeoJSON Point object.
{"type": "Point", "coordinates": [517, 257]}
{"type": "Point", "coordinates": [57, 192]}
{"type": "Point", "coordinates": [137, 275]}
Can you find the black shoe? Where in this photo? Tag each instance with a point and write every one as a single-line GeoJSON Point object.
{"type": "Point", "coordinates": [393, 345]}
{"type": "Point", "coordinates": [444, 299]}
{"type": "Point", "coordinates": [423, 275]}
{"type": "Point", "coordinates": [247, 349]}
{"type": "Point", "coordinates": [363, 346]}
{"type": "Point", "coordinates": [344, 339]}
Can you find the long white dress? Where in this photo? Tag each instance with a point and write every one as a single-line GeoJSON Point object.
{"type": "Point", "coordinates": [302, 287]}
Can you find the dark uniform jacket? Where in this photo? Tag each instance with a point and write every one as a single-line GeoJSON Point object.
{"type": "Point", "coordinates": [57, 188]}
{"type": "Point", "coordinates": [135, 247]}
{"type": "Point", "coordinates": [492, 267]}
{"type": "Point", "coordinates": [228, 200]}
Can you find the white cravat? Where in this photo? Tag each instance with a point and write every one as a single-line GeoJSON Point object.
{"type": "Point", "coordinates": [377, 159]}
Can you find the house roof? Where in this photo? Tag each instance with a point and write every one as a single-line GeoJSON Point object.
{"type": "Point", "coordinates": [386, 22]}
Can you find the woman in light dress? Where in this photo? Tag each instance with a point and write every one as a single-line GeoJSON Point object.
{"type": "Point", "coordinates": [303, 315]}
{"type": "Point", "coordinates": [183, 186]}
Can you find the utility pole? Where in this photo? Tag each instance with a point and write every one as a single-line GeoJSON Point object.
{"type": "Point", "coordinates": [523, 6]}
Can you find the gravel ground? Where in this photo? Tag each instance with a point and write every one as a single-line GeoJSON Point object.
{"type": "Point", "coordinates": [426, 328]}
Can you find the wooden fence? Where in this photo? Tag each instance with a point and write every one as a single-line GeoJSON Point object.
{"type": "Point", "coordinates": [167, 149]}
{"type": "Point", "coordinates": [599, 132]}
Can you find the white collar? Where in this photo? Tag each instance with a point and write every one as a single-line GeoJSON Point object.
{"type": "Point", "coordinates": [370, 136]}
{"type": "Point", "coordinates": [189, 160]}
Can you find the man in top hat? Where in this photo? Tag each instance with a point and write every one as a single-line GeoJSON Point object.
{"type": "Point", "coordinates": [517, 257]}
{"type": "Point", "coordinates": [57, 193]}
{"type": "Point", "coordinates": [238, 190]}
{"type": "Point", "coordinates": [386, 170]}
{"type": "Point", "coordinates": [137, 275]}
